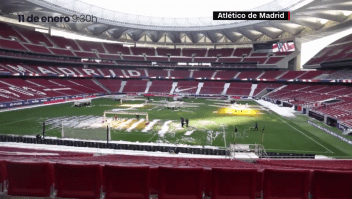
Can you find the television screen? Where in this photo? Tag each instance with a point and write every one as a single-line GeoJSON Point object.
{"type": "Point", "coordinates": [283, 47]}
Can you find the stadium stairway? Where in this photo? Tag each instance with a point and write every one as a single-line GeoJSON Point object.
{"type": "Point", "coordinates": [322, 76]}
{"type": "Point", "coordinates": [260, 76]}
{"type": "Point", "coordinates": [254, 86]}
{"type": "Point", "coordinates": [200, 85]}
{"type": "Point", "coordinates": [302, 75]}
{"type": "Point", "coordinates": [99, 84]}
{"type": "Point", "coordinates": [146, 72]}
{"type": "Point", "coordinates": [275, 90]}
{"type": "Point", "coordinates": [191, 73]}
{"type": "Point", "coordinates": [174, 85]}
{"type": "Point", "coordinates": [101, 72]}
{"type": "Point", "coordinates": [123, 84]}
{"type": "Point", "coordinates": [227, 85]}
{"type": "Point", "coordinates": [237, 75]}
{"type": "Point", "coordinates": [123, 72]}
{"type": "Point", "coordinates": [262, 93]}
{"type": "Point", "coordinates": [168, 73]}
{"type": "Point", "coordinates": [282, 74]}
{"type": "Point", "coordinates": [213, 75]}
{"type": "Point", "coordinates": [86, 84]}
{"type": "Point", "coordinates": [148, 85]}
{"type": "Point", "coordinates": [49, 39]}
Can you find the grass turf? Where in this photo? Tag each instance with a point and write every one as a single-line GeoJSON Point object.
{"type": "Point", "coordinates": [281, 134]}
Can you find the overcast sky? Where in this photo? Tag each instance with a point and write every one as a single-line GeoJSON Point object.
{"type": "Point", "coordinates": [177, 8]}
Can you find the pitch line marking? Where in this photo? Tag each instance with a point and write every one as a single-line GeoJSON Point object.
{"type": "Point", "coordinates": [150, 125]}
{"type": "Point", "coordinates": [134, 125]}
{"type": "Point", "coordinates": [18, 121]}
{"type": "Point", "coordinates": [305, 135]}
{"type": "Point", "coordinates": [164, 128]}
{"type": "Point", "coordinates": [152, 137]}
{"type": "Point", "coordinates": [295, 150]}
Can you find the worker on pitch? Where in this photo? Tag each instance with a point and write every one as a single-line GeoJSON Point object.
{"type": "Point", "coordinates": [182, 121]}
{"type": "Point", "coordinates": [187, 122]}
{"type": "Point", "coordinates": [256, 126]}
{"type": "Point", "coordinates": [235, 132]}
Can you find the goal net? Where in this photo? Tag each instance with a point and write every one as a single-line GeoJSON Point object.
{"type": "Point", "coordinates": [117, 115]}
{"type": "Point", "coordinates": [241, 135]}
{"type": "Point", "coordinates": [81, 130]}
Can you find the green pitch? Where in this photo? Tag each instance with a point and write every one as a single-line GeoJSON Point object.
{"type": "Point", "coordinates": [206, 127]}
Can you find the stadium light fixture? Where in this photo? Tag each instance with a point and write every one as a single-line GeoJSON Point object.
{"type": "Point", "coordinates": [128, 45]}
{"type": "Point", "coordinates": [56, 32]}
{"type": "Point", "coordinates": [42, 30]}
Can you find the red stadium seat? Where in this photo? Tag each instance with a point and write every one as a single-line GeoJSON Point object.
{"type": "Point", "coordinates": [154, 180]}
{"type": "Point", "coordinates": [78, 181]}
{"type": "Point", "coordinates": [233, 183]}
{"type": "Point", "coordinates": [207, 181]}
{"type": "Point", "coordinates": [30, 179]}
{"type": "Point", "coordinates": [126, 182]}
{"type": "Point", "coordinates": [3, 175]}
{"type": "Point", "coordinates": [332, 184]}
{"type": "Point", "coordinates": [286, 184]}
{"type": "Point", "coordinates": [259, 186]}
{"type": "Point", "coordinates": [180, 183]}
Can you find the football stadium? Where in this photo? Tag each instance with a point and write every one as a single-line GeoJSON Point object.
{"type": "Point", "coordinates": [176, 100]}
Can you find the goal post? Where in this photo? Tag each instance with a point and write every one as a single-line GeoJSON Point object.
{"type": "Point", "coordinates": [109, 131]}
{"type": "Point", "coordinates": [98, 132]}
{"type": "Point", "coordinates": [125, 113]}
{"type": "Point", "coordinates": [62, 130]}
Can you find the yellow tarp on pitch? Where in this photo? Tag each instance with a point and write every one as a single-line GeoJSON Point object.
{"type": "Point", "coordinates": [238, 112]}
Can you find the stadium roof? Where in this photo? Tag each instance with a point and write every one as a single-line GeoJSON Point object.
{"type": "Point", "coordinates": [310, 19]}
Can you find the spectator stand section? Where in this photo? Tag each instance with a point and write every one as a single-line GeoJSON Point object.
{"type": "Point", "coordinates": [83, 175]}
